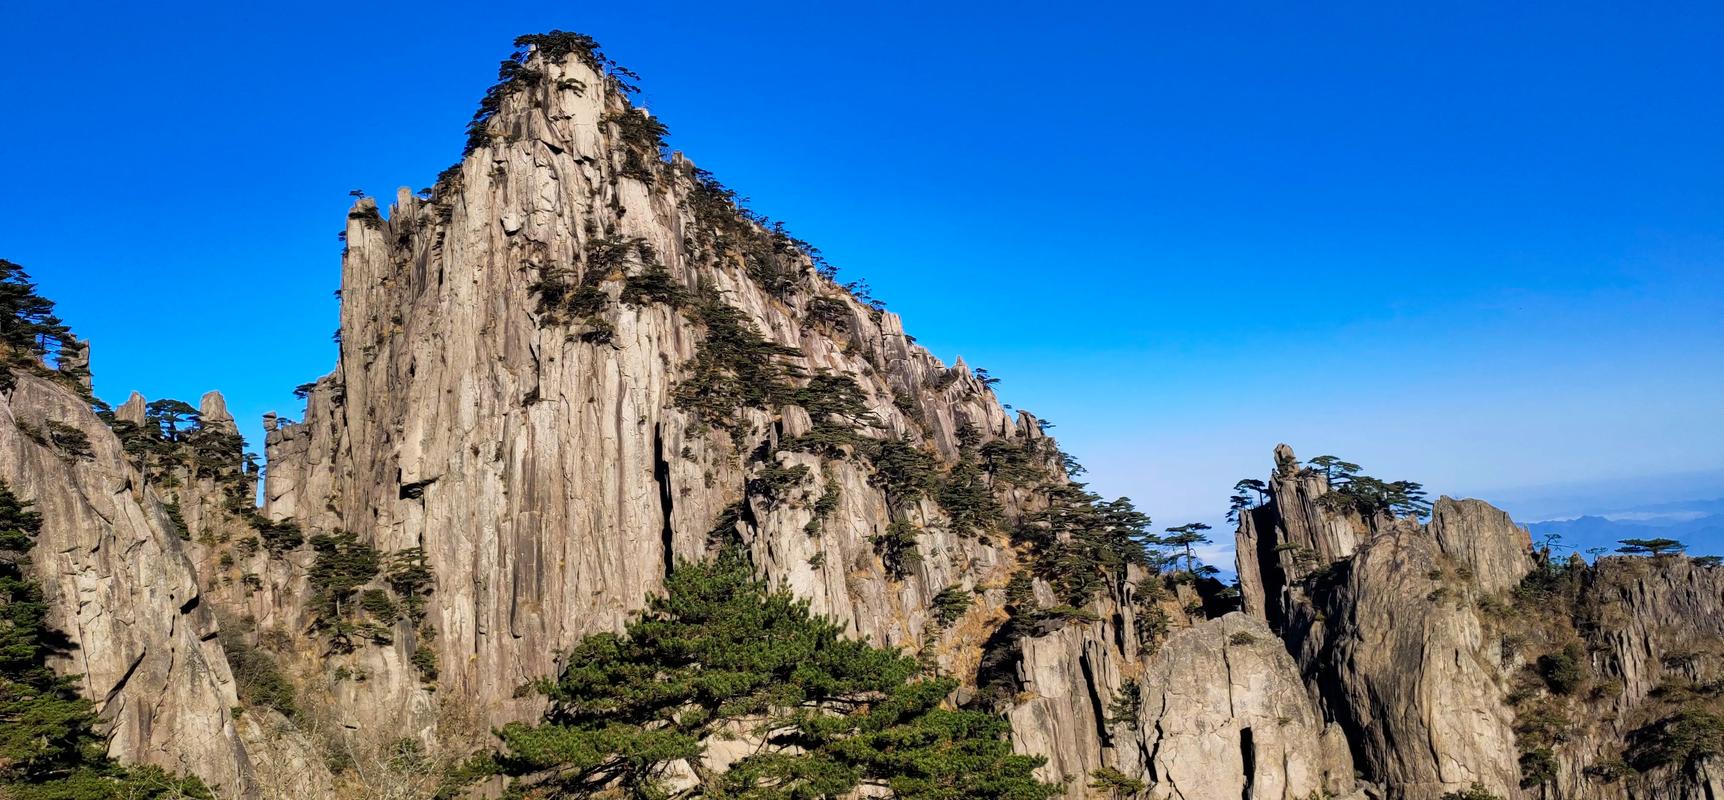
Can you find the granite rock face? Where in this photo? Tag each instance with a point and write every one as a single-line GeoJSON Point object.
{"type": "Point", "coordinates": [1226, 716]}
{"type": "Point", "coordinates": [551, 473]}
{"type": "Point", "coordinates": [1452, 654]}
{"type": "Point", "coordinates": [122, 589]}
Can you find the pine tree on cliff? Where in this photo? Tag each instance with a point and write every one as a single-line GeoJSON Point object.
{"type": "Point", "coordinates": [721, 655]}
{"type": "Point", "coordinates": [29, 331]}
{"type": "Point", "coordinates": [27, 322]}
{"type": "Point", "coordinates": [1650, 547]}
{"type": "Point", "coordinates": [49, 749]}
{"type": "Point", "coordinates": [1334, 469]}
{"type": "Point", "coordinates": [1184, 538]}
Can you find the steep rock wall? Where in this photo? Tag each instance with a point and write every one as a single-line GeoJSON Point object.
{"type": "Point", "coordinates": [122, 590]}
{"type": "Point", "coordinates": [551, 472]}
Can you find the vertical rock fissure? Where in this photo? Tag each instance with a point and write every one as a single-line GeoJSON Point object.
{"type": "Point", "coordinates": [1248, 760]}
{"type": "Point", "coordinates": [1096, 705]}
{"type": "Point", "coordinates": [1269, 563]}
{"type": "Point", "coordinates": [666, 501]}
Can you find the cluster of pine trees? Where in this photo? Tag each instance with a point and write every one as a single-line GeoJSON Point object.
{"type": "Point", "coordinates": [30, 333]}
{"type": "Point", "coordinates": [723, 661]}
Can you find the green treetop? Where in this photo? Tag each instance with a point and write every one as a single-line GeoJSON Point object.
{"type": "Point", "coordinates": [1333, 469]}
{"type": "Point", "coordinates": [28, 327]}
{"type": "Point", "coordinates": [722, 655]}
{"type": "Point", "coordinates": [1184, 538]}
{"type": "Point", "coordinates": [1649, 547]}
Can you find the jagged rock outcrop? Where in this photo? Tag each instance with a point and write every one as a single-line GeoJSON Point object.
{"type": "Point", "coordinates": [1225, 716]}
{"type": "Point", "coordinates": [122, 590]}
{"type": "Point", "coordinates": [551, 465]}
{"type": "Point", "coordinates": [132, 410]}
{"type": "Point", "coordinates": [1452, 654]}
{"type": "Point", "coordinates": [550, 476]}
{"type": "Point", "coordinates": [1404, 661]}
{"type": "Point", "coordinates": [213, 413]}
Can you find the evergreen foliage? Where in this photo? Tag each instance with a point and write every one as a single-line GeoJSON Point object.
{"type": "Point", "coordinates": [903, 471]}
{"type": "Point", "coordinates": [411, 579]}
{"type": "Point", "coordinates": [830, 312]}
{"type": "Point", "coordinates": [839, 412]}
{"type": "Point", "coordinates": [773, 482]}
{"type": "Point", "coordinates": [409, 576]}
{"type": "Point", "coordinates": [1116, 784]}
{"type": "Point", "coordinates": [257, 676]}
{"type": "Point", "coordinates": [1649, 547]}
{"type": "Point", "coordinates": [278, 537]}
{"type": "Point", "coordinates": [1079, 542]}
{"type": "Point", "coordinates": [653, 284]}
{"type": "Point", "coordinates": [29, 330]}
{"type": "Point", "coordinates": [49, 749]}
{"type": "Point", "coordinates": [368, 216]}
{"type": "Point", "coordinates": [69, 440]}
{"type": "Point", "coordinates": [728, 232]}
{"type": "Point", "coordinates": [951, 603]}
{"type": "Point", "coordinates": [825, 504]}
{"type": "Point", "coordinates": [1013, 462]}
{"type": "Point", "coordinates": [513, 76]}
{"type": "Point", "coordinates": [1350, 490]}
{"type": "Point", "coordinates": [1683, 739]}
{"type": "Point", "coordinates": [1476, 792]}
{"type": "Point", "coordinates": [1126, 705]}
{"type": "Point", "coordinates": [1241, 500]}
{"type": "Point", "coordinates": [642, 137]}
{"type": "Point", "coordinates": [1564, 670]}
{"type": "Point", "coordinates": [898, 548]}
{"type": "Point", "coordinates": [734, 368]}
{"type": "Point", "coordinates": [1183, 538]}
{"type": "Point", "coordinates": [968, 500]}
{"type": "Point", "coordinates": [721, 655]}
{"type": "Point", "coordinates": [1151, 622]}
{"type": "Point", "coordinates": [341, 565]}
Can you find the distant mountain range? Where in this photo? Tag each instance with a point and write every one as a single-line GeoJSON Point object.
{"type": "Point", "coordinates": [1698, 524]}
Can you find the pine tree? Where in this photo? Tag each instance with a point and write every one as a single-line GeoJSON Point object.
{"type": "Point", "coordinates": [1334, 469]}
{"type": "Point", "coordinates": [1184, 538]}
{"type": "Point", "coordinates": [721, 654]}
{"type": "Point", "coordinates": [29, 330]}
{"type": "Point", "coordinates": [1649, 547]}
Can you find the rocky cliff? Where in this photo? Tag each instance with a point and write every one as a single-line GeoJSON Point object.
{"type": "Point", "coordinates": [576, 361]}
{"type": "Point", "coordinates": [141, 638]}
{"type": "Point", "coordinates": [1453, 654]}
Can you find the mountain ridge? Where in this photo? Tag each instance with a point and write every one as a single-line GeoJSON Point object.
{"type": "Point", "coordinates": [575, 362]}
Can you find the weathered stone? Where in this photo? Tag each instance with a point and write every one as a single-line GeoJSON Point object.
{"type": "Point", "coordinates": [212, 410]}
{"type": "Point", "coordinates": [552, 479]}
{"type": "Point", "coordinates": [1416, 640]}
{"type": "Point", "coordinates": [132, 410]}
{"type": "Point", "coordinates": [1225, 716]}
{"type": "Point", "coordinates": [122, 591]}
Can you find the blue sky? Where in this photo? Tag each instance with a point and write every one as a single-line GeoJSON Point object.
{"type": "Point", "coordinates": [1476, 245]}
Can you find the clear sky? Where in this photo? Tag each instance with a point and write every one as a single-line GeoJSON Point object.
{"type": "Point", "coordinates": [1477, 245]}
